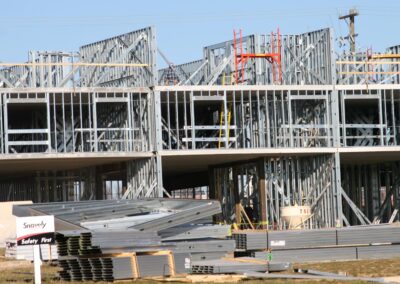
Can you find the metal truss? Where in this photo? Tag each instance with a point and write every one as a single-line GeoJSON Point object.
{"type": "Point", "coordinates": [306, 59]}
{"type": "Point", "coordinates": [134, 47]}
{"type": "Point", "coordinates": [184, 74]}
{"type": "Point", "coordinates": [40, 73]}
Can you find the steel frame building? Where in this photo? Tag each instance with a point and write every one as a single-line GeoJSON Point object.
{"type": "Point", "coordinates": [73, 126]}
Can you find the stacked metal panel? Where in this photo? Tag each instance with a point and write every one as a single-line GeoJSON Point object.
{"type": "Point", "coordinates": [148, 214]}
{"type": "Point", "coordinates": [195, 232]}
{"type": "Point", "coordinates": [97, 269]}
{"type": "Point", "coordinates": [311, 254]}
{"type": "Point", "coordinates": [332, 253]}
{"type": "Point", "coordinates": [251, 240]}
{"type": "Point", "coordinates": [378, 251]}
{"type": "Point", "coordinates": [204, 246]}
{"type": "Point", "coordinates": [182, 263]}
{"type": "Point", "coordinates": [154, 235]}
{"type": "Point", "coordinates": [361, 242]}
{"type": "Point", "coordinates": [153, 265]}
{"type": "Point", "coordinates": [237, 265]}
{"type": "Point", "coordinates": [200, 242]}
{"type": "Point", "coordinates": [197, 256]}
{"type": "Point", "coordinates": [369, 234]}
{"type": "Point", "coordinates": [301, 238]}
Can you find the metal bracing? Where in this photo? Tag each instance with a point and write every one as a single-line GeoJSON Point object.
{"type": "Point", "coordinates": [369, 117]}
{"type": "Point", "coordinates": [40, 73]}
{"type": "Point", "coordinates": [374, 189]}
{"type": "Point", "coordinates": [143, 179]}
{"type": "Point", "coordinates": [306, 59]}
{"type": "Point", "coordinates": [287, 182]}
{"type": "Point", "coordinates": [182, 74]}
{"type": "Point", "coordinates": [133, 47]}
{"type": "Point", "coordinates": [68, 121]}
{"type": "Point", "coordinates": [246, 118]}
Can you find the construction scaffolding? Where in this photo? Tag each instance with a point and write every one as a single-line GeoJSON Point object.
{"type": "Point", "coordinates": [312, 133]}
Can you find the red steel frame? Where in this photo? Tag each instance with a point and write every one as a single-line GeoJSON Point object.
{"type": "Point", "coordinates": [274, 57]}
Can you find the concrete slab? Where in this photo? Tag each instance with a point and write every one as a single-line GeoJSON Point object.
{"type": "Point", "coordinates": [189, 161]}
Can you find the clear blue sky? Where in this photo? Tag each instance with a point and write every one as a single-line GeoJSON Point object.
{"type": "Point", "coordinates": [183, 27]}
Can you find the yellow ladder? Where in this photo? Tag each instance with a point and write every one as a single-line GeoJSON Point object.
{"type": "Point", "coordinates": [221, 125]}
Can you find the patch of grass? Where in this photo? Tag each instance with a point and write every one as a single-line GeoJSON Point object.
{"type": "Point", "coordinates": [2, 253]}
{"type": "Point", "coordinates": [368, 268]}
{"type": "Point", "coordinates": [49, 275]}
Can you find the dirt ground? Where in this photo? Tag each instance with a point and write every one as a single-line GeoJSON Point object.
{"type": "Point", "coordinates": [15, 271]}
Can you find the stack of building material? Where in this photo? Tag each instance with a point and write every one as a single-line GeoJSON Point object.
{"type": "Point", "coordinates": [250, 240]}
{"type": "Point", "coordinates": [201, 242]}
{"type": "Point", "coordinates": [111, 240]}
{"type": "Point", "coordinates": [108, 240]}
{"type": "Point", "coordinates": [301, 238]}
{"type": "Point", "coordinates": [194, 232]}
{"type": "Point", "coordinates": [150, 214]}
{"type": "Point", "coordinates": [358, 242]}
{"type": "Point", "coordinates": [234, 265]}
{"type": "Point", "coordinates": [110, 254]}
{"type": "Point", "coordinates": [372, 234]}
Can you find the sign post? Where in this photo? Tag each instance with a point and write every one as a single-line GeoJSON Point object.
{"type": "Point", "coordinates": [35, 231]}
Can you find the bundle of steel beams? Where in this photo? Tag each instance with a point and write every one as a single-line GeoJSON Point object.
{"type": "Point", "coordinates": [195, 232]}
{"type": "Point", "coordinates": [301, 238]}
{"type": "Point", "coordinates": [332, 253]}
{"type": "Point", "coordinates": [158, 241]}
{"type": "Point", "coordinates": [204, 246]}
{"type": "Point", "coordinates": [251, 240]}
{"type": "Point", "coordinates": [369, 234]}
{"type": "Point", "coordinates": [362, 242]}
{"type": "Point", "coordinates": [298, 239]}
{"type": "Point", "coordinates": [149, 214]}
{"type": "Point", "coordinates": [238, 265]}
{"type": "Point", "coordinates": [107, 268]}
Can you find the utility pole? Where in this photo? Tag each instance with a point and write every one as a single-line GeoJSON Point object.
{"type": "Point", "coordinates": [352, 35]}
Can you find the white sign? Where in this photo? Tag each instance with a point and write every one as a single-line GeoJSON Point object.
{"type": "Point", "coordinates": [278, 243]}
{"type": "Point", "coordinates": [187, 263]}
{"type": "Point", "coordinates": [35, 230]}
